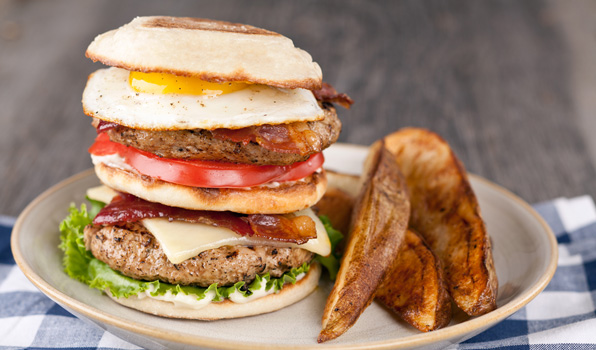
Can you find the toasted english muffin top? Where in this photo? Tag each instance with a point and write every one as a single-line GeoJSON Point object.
{"type": "Point", "coordinates": [211, 50]}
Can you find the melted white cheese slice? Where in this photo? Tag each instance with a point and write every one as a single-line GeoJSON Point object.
{"type": "Point", "coordinates": [101, 193]}
{"type": "Point", "coordinates": [183, 240]}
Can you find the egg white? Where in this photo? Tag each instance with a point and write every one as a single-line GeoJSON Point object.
{"type": "Point", "coordinates": [109, 96]}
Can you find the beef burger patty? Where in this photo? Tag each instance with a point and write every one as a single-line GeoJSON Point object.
{"type": "Point", "coordinates": [136, 253]}
{"type": "Point", "coordinates": [201, 144]}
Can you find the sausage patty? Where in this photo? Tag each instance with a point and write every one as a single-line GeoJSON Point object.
{"type": "Point", "coordinates": [201, 144]}
{"type": "Point", "coordinates": [136, 253]}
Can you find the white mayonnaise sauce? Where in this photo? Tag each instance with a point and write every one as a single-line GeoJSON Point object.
{"type": "Point", "coordinates": [190, 301]}
{"type": "Point", "coordinates": [112, 160]}
{"type": "Point", "coordinates": [237, 297]}
{"type": "Point", "coordinates": [179, 300]}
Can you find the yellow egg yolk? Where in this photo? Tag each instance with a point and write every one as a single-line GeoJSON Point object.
{"type": "Point", "coordinates": [162, 83]}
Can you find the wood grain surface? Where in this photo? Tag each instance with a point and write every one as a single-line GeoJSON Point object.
{"type": "Point", "coordinates": [509, 84]}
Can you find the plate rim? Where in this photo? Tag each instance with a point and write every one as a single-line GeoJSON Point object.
{"type": "Point", "coordinates": [415, 340]}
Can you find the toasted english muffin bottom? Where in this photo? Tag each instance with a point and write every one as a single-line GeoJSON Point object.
{"type": "Point", "coordinates": [278, 198]}
{"type": "Point", "coordinates": [211, 50]}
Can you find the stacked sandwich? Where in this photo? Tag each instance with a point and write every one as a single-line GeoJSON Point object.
{"type": "Point", "coordinates": [209, 149]}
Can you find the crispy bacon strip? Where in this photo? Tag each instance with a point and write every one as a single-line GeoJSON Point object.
{"type": "Point", "coordinates": [327, 93]}
{"type": "Point", "coordinates": [286, 228]}
{"type": "Point", "coordinates": [103, 126]}
{"type": "Point", "coordinates": [276, 227]}
{"type": "Point", "coordinates": [284, 138]}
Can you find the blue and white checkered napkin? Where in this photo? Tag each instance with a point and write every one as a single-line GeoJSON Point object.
{"type": "Point", "coordinates": [563, 316]}
{"type": "Point", "coordinates": [30, 320]}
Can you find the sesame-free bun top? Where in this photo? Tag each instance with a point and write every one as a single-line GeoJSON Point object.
{"type": "Point", "coordinates": [211, 50]}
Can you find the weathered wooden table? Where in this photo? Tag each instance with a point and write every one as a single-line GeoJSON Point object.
{"type": "Point", "coordinates": [510, 85]}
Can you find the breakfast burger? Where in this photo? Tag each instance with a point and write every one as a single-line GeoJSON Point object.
{"type": "Point", "coordinates": [208, 148]}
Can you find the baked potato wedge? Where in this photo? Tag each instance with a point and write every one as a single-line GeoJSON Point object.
{"type": "Point", "coordinates": [379, 223]}
{"type": "Point", "coordinates": [414, 288]}
{"type": "Point", "coordinates": [446, 213]}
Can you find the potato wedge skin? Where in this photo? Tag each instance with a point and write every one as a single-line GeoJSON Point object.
{"type": "Point", "coordinates": [379, 222]}
{"type": "Point", "coordinates": [445, 211]}
{"type": "Point", "coordinates": [414, 288]}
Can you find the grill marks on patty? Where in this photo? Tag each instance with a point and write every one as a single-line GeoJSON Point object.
{"type": "Point", "coordinates": [133, 251]}
{"type": "Point", "coordinates": [201, 144]}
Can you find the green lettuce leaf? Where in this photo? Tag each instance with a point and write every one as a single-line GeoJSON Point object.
{"type": "Point", "coordinates": [82, 266]}
{"type": "Point", "coordinates": [331, 262]}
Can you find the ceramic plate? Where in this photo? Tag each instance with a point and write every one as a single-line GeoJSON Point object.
{"type": "Point", "coordinates": [525, 256]}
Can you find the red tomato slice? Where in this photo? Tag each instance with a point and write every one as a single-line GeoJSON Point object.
{"type": "Point", "coordinates": [198, 173]}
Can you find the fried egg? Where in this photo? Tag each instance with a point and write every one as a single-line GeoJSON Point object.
{"type": "Point", "coordinates": [155, 101]}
